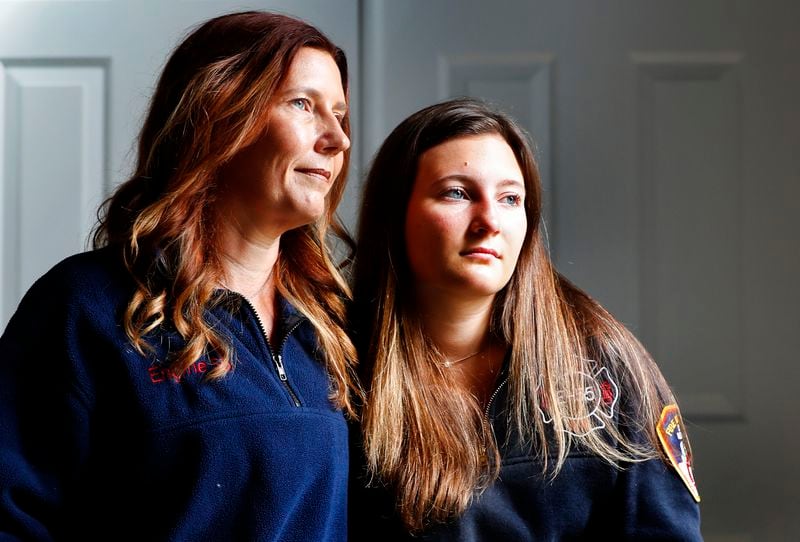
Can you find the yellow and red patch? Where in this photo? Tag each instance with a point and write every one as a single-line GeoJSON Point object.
{"type": "Point", "coordinates": [672, 435]}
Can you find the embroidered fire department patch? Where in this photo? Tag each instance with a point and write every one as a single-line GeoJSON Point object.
{"type": "Point", "coordinates": [600, 393]}
{"type": "Point", "coordinates": [672, 435]}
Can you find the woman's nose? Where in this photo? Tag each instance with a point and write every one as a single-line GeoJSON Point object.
{"type": "Point", "coordinates": [333, 140]}
{"type": "Point", "coordinates": [485, 220]}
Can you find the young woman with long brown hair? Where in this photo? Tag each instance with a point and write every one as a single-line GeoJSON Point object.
{"type": "Point", "coordinates": [502, 403]}
{"type": "Point", "coordinates": [186, 380]}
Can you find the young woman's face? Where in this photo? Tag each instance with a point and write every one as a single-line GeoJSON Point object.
{"type": "Point", "coordinates": [466, 221]}
{"type": "Point", "coordinates": [284, 175]}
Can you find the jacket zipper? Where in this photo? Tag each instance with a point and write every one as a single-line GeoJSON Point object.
{"type": "Point", "coordinates": [277, 359]}
{"type": "Point", "coordinates": [492, 398]}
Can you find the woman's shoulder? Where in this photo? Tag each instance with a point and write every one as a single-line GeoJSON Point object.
{"type": "Point", "coordinates": [87, 274]}
{"type": "Point", "coordinates": [92, 264]}
{"type": "Point", "coordinates": [93, 282]}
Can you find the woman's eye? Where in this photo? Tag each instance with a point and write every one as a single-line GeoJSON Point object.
{"type": "Point", "coordinates": [512, 199]}
{"type": "Point", "coordinates": [455, 193]}
{"type": "Point", "coordinates": [301, 103]}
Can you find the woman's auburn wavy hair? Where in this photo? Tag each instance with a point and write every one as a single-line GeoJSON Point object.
{"type": "Point", "coordinates": [209, 104]}
{"type": "Point", "coordinates": [423, 436]}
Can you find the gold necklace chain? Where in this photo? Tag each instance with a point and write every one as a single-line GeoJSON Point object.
{"type": "Point", "coordinates": [448, 363]}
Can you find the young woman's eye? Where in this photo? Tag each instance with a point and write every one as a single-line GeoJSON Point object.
{"type": "Point", "coordinates": [512, 199]}
{"type": "Point", "coordinates": [455, 193]}
{"type": "Point", "coordinates": [340, 118]}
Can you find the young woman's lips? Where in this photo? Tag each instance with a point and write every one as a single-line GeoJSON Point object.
{"type": "Point", "coordinates": [324, 173]}
{"type": "Point", "coordinates": [481, 250]}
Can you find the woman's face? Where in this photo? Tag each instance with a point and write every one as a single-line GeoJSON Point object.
{"type": "Point", "coordinates": [466, 222]}
{"type": "Point", "coordinates": [280, 181]}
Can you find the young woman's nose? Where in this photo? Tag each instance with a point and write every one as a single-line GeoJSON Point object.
{"type": "Point", "coordinates": [485, 220]}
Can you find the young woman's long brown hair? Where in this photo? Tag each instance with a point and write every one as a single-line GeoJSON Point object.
{"type": "Point", "coordinates": [210, 103]}
{"type": "Point", "coordinates": [424, 436]}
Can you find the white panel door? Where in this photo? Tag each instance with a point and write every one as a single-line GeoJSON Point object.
{"type": "Point", "coordinates": [75, 79]}
{"type": "Point", "coordinates": [668, 134]}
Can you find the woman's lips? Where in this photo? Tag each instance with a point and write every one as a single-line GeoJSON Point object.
{"type": "Point", "coordinates": [481, 250]}
{"type": "Point", "coordinates": [317, 172]}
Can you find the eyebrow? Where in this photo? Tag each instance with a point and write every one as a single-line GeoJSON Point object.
{"type": "Point", "coordinates": [338, 106]}
{"type": "Point", "coordinates": [468, 178]}
{"type": "Point", "coordinates": [512, 182]}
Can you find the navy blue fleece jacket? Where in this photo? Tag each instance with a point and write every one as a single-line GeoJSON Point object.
{"type": "Point", "coordinates": [97, 441]}
{"type": "Point", "coordinates": [589, 499]}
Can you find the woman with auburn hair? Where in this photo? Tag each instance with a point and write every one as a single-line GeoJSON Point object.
{"type": "Point", "coordinates": [186, 380]}
{"type": "Point", "coordinates": [502, 402]}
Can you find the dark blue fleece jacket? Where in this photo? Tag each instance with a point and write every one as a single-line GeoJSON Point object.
{"type": "Point", "coordinates": [588, 500]}
{"type": "Point", "coordinates": [100, 442]}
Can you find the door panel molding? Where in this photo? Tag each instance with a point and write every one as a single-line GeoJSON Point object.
{"type": "Point", "coordinates": [689, 106]}
{"type": "Point", "coordinates": [54, 155]}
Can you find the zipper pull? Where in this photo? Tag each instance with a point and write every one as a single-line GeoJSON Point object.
{"type": "Point", "coordinates": [279, 365]}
